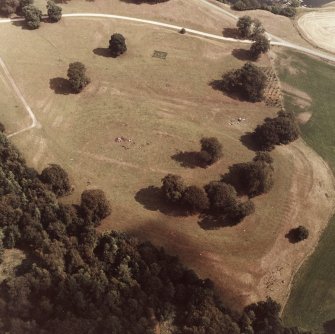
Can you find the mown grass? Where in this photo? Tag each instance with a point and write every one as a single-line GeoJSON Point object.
{"type": "Point", "coordinates": [312, 301]}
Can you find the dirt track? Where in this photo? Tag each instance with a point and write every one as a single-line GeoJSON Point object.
{"type": "Point", "coordinates": [319, 29]}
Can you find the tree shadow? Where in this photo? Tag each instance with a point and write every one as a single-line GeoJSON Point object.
{"type": "Point", "coordinates": [103, 52]}
{"type": "Point", "coordinates": [231, 33]}
{"type": "Point", "coordinates": [242, 54]}
{"type": "Point", "coordinates": [152, 199]}
{"type": "Point", "coordinates": [61, 86]}
{"type": "Point", "coordinates": [188, 159]}
{"type": "Point", "coordinates": [329, 326]}
{"type": "Point", "coordinates": [248, 140]}
{"type": "Point", "coordinates": [218, 85]}
{"type": "Point", "coordinates": [215, 221]}
{"type": "Point", "coordinates": [21, 24]}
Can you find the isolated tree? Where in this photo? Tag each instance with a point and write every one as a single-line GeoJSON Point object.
{"type": "Point", "coordinates": [56, 178]}
{"type": "Point", "coordinates": [54, 11]}
{"type": "Point", "coordinates": [249, 81]}
{"type": "Point", "coordinates": [95, 205]}
{"type": "Point", "coordinates": [261, 45]}
{"type": "Point", "coordinates": [282, 129]}
{"type": "Point", "coordinates": [77, 76]}
{"type": "Point", "coordinates": [173, 187]}
{"type": "Point", "coordinates": [32, 16]}
{"type": "Point", "coordinates": [117, 45]}
{"type": "Point", "coordinates": [195, 199]}
{"type": "Point", "coordinates": [8, 7]}
{"type": "Point", "coordinates": [212, 149]}
{"type": "Point", "coordinates": [300, 233]}
{"type": "Point", "coordinates": [221, 196]}
{"type": "Point", "coordinates": [2, 127]}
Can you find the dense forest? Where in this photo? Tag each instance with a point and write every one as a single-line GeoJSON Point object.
{"type": "Point", "coordinates": [75, 280]}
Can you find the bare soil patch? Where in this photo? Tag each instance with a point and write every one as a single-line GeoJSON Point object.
{"type": "Point", "coordinates": [304, 117]}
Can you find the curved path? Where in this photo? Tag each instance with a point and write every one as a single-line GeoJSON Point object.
{"type": "Point", "coordinates": [273, 41]}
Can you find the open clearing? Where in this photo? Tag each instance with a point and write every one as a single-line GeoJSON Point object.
{"type": "Point", "coordinates": [164, 106]}
{"type": "Point", "coordinates": [319, 28]}
{"type": "Point", "coordinates": [311, 302]}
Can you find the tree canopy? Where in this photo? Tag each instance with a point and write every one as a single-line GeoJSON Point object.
{"type": "Point", "coordinates": [117, 45]}
{"type": "Point", "coordinates": [57, 179]}
{"type": "Point", "coordinates": [32, 16]}
{"type": "Point", "coordinates": [77, 76]}
{"type": "Point", "coordinates": [54, 11]}
{"type": "Point", "coordinates": [211, 150]}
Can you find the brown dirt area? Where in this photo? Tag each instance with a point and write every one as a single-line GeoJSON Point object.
{"type": "Point", "coordinates": [164, 106]}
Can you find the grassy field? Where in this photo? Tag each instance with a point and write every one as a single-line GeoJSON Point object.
{"type": "Point", "coordinates": [312, 299]}
{"type": "Point", "coordinates": [163, 106]}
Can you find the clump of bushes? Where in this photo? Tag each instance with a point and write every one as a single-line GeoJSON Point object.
{"type": "Point", "coordinates": [117, 45]}
{"type": "Point", "coordinates": [252, 178]}
{"type": "Point", "coordinates": [32, 16]}
{"type": "Point", "coordinates": [77, 76]}
{"type": "Point", "coordinates": [56, 178]}
{"type": "Point", "coordinates": [282, 129]}
{"type": "Point", "coordinates": [249, 28]}
{"type": "Point", "coordinates": [248, 81]}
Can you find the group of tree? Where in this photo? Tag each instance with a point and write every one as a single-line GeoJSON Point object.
{"type": "Point", "coordinates": [31, 13]}
{"type": "Point", "coordinates": [217, 198]}
{"type": "Point", "coordinates": [76, 280]}
{"type": "Point", "coordinates": [254, 177]}
{"type": "Point", "coordinates": [248, 82]}
{"type": "Point", "coordinates": [277, 8]}
{"type": "Point", "coordinates": [253, 29]}
{"type": "Point", "coordinates": [282, 129]}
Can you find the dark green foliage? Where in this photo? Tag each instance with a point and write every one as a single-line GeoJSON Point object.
{"type": "Point", "coordinates": [77, 76]}
{"type": "Point", "coordinates": [195, 199]}
{"type": "Point", "coordinates": [54, 11]}
{"type": "Point", "coordinates": [221, 196]}
{"type": "Point", "coordinates": [173, 188]}
{"type": "Point", "coordinates": [56, 178]}
{"type": "Point", "coordinates": [263, 156]}
{"type": "Point", "coordinates": [299, 234]}
{"type": "Point", "coordinates": [2, 127]}
{"type": "Point", "coordinates": [249, 28]}
{"type": "Point", "coordinates": [117, 45]}
{"type": "Point", "coordinates": [239, 210]}
{"type": "Point", "coordinates": [211, 150]}
{"type": "Point", "coordinates": [32, 16]}
{"type": "Point", "coordinates": [261, 45]}
{"type": "Point", "coordinates": [95, 205]}
{"type": "Point", "coordinates": [248, 81]}
{"type": "Point", "coordinates": [282, 129]}
{"type": "Point", "coordinates": [252, 178]}
{"type": "Point", "coordinates": [8, 7]}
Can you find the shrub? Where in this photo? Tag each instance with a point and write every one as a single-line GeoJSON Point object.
{"type": "Point", "coordinates": [173, 187]}
{"type": "Point", "coordinates": [77, 76]}
{"type": "Point", "coordinates": [249, 81]}
{"type": "Point", "coordinates": [56, 178]}
{"type": "Point", "coordinates": [32, 16]}
{"type": "Point", "coordinates": [213, 148]}
{"type": "Point", "coordinates": [221, 196]}
{"type": "Point", "coordinates": [195, 199]}
{"type": "Point", "coordinates": [95, 205]}
{"type": "Point", "coordinates": [117, 45]}
{"type": "Point", "coordinates": [54, 11]}
{"type": "Point", "coordinates": [282, 129]}
{"type": "Point", "coordinates": [261, 45]}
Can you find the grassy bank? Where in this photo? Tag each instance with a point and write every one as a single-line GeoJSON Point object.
{"type": "Point", "coordinates": [312, 301]}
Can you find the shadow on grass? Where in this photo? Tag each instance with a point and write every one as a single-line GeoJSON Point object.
{"type": "Point", "coordinates": [61, 86]}
{"type": "Point", "coordinates": [248, 140]}
{"type": "Point", "coordinates": [231, 33]}
{"type": "Point", "coordinates": [152, 199]}
{"type": "Point", "coordinates": [215, 221]}
{"type": "Point", "coordinates": [188, 159]}
{"type": "Point", "coordinates": [242, 54]}
{"type": "Point", "coordinates": [329, 326]}
{"type": "Point", "coordinates": [218, 85]}
{"type": "Point", "coordinates": [103, 52]}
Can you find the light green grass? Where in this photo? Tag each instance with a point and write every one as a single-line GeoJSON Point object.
{"type": "Point", "coordinates": [312, 300]}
